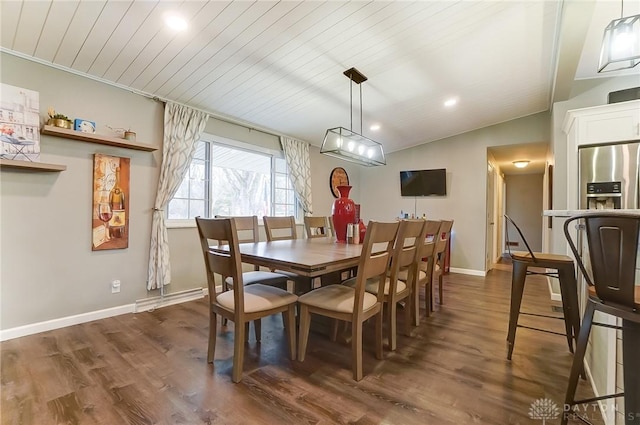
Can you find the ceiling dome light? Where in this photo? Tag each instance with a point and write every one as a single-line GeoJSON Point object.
{"type": "Point", "coordinates": [375, 127]}
{"type": "Point", "coordinates": [450, 102]}
{"type": "Point", "coordinates": [521, 164]}
{"type": "Point", "coordinates": [175, 22]}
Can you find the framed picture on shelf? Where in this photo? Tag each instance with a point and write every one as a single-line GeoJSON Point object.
{"type": "Point", "coordinates": [110, 209]}
{"type": "Point", "coordinates": [19, 123]}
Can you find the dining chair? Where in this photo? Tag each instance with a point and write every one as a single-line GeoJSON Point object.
{"type": "Point", "coordinates": [248, 232]}
{"type": "Point", "coordinates": [613, 242]}
{"type": "Point", "coordinates": [280, 229]}
{"type": "Point", "coordinates": [425, 271]}
{"type": "Point", "coordinates": [243, 303]}
{"type": "Point", "coordinates": [555, 265]}
{"type": "Point", "coordinates": [353, 304]}
{"type": "Point", "coordinates": [409, 239]}
{"type": "Point", "coordinates": [440, 256]}
{"type": "Point", "coordinates": [316, 227]}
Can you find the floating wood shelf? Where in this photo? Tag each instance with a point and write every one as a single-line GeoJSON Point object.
{"type": "Point", "coordinates": [96, 138]}
{"type": "Point", "coordinates": [33, 166]}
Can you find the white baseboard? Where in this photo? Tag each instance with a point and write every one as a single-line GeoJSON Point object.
{"type": "Point", "coordinates": [62, 322]}
{"type": "Point", "coordinates": [147, 304]}
{"type": "Point", "coordinates": [470, 272]}
{"type": "Point", "coordinates": [608, 414]}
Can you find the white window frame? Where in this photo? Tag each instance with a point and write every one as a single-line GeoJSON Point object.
{"type": "Point", "coordinates": [220, 140]}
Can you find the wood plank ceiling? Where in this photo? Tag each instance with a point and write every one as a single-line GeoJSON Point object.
{"type": "Point", "coordinates": [278, 65]}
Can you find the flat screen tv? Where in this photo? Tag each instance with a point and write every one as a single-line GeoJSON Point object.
{"type": "Point", "coordinates": [423, 182]}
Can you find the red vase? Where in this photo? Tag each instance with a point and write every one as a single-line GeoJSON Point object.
{"type": "Point", "coordinates": [343, 213]}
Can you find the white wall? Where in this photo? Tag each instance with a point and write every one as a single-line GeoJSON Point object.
{"type": "Point", "coordinates": [465, 158]}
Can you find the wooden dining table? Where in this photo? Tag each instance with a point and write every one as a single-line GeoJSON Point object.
{"type": "Point", "coordinates": [305, 257]}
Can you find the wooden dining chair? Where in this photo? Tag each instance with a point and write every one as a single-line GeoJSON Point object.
{"type": "Point", "coordinates": [425, 271]}
{"type": "Point", "coordinates": [241, 304]}
{"type": "Point", "coordinates": [353, 304]}
{"type": "Point", "coordinates": [248, 232]}
{"type": "Point", "coordinates": [410, 237]}
{"type": "Point", "coordinates": [316, 227]}
{"type": "Point", "coordinates": [280, 228]}
{"type": "Point", "coordinates": [439, 259]}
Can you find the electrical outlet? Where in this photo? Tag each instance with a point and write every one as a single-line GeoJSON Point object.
{"type": "Point", "coordinates": [115, 286]}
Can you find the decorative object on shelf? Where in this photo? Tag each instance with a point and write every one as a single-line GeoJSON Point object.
{"type": "Point", "coordinates": [59, 120]}
{"type": "Point", "coordinates": [19, 118]}
{"type": "Point", "coordinates": [346, 144]}
{"type": "Point", "coordinates": [338, 177]}
{"type": "Point", "coordinates": [621, 43]}
{"type": "Point", "coordinates": [110, 222]}
{"type": "Point", "coordinates": [130, 135]}
{"type": "Point", "coordinates": [124, 133]}
{"type": "Point", "coordinates": [343, 213]}
{"type": "Point", "coordinates": [84, 126]}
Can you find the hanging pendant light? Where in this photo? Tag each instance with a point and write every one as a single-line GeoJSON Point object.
{"type": "Point", "coordinates": [620, 44]}
{"type": "Point", "coordinates": [346, 144]}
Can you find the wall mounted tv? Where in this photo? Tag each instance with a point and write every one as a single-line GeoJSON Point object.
{"type": "Point", "coordinates": [423, 182]}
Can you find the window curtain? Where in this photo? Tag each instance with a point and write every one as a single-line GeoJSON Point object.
{"type": "Point", "coordinates": [296, 153]}
{"type": "Point", "coordinates": [182, 129]}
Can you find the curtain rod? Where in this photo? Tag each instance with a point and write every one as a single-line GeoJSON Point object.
{"type": "Point", "coordinates": [228, 120]}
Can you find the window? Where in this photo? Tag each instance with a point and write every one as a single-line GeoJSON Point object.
{"type": "Point", "coordinates": [229, 180]}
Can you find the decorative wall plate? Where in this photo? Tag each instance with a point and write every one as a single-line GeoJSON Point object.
{"type": "Point", "coordinates": [338, 177]}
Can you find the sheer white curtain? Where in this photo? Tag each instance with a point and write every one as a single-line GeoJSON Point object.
{"type": "Point", "coordinates": [182, 129]}
{"type": "Point", "coordinates": [296, 153]}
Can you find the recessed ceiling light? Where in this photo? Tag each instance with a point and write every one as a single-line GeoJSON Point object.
{"type": "Point", "coordinates": [520, 164]}
{"type": "Point", "coordinates": [375, 127]}
{"type": "Point", "coordinates": [450, 102]}
{"type": "Point", "coordinates": [175, 22]}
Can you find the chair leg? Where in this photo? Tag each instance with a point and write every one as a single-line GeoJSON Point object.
{"type": "Point", "coordinates": [440, 299]}
{"type": "Point", "coordinates": [246, 332]}
{"type": "Point", "coordinates": [213, 332]}
{"type": "Point", "coordinates": [392, 323]}
{"type": "Point", "coordinates": [238, 351]}
{"type": "Point", "coordinates": [517, 287]}
{"type": "Point", "coordinates": [578, 358]}
{"type": "Point", "coordinates": [407, 318]}
{"type": "Point", "coordinates": [415, 305]}
{"type": "Point", "coordinates": [378, 331]}
{"type": "Point", "coordinates": [567, 309]}
{"type": "Point", "coordinates": [356, 350]}
{"type": "Point", "coordinates": [290, 318]}
{"type": "Point", "coordinates": [303, 334]}
{"type": "Point", "coordinates": [257, 328]}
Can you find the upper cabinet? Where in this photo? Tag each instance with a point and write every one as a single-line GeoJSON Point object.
{"type": "Point", "coordinates": [617, 122]}
{"type": "Point", "coordinates": [96, 138]}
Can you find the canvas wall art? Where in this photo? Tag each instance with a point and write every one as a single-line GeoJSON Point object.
{"type": "Point", "coordinates": [110, 224]}
{"type": "Point", "coordinates": [19, 123]}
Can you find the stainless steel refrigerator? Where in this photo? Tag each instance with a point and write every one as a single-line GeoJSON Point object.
{"type": "Point", "coordinates": [609, 176]}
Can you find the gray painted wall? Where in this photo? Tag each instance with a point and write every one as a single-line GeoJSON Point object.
{"type": "Point", "coordinates": [524, 206]}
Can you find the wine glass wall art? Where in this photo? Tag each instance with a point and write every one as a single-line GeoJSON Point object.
{"type": "Point", "coordinates": [110, 223]}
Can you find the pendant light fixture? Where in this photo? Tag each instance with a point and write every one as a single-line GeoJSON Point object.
{"type": "Point", "coordinates": [346, 144]}
{"type": "Point", "coordinates": [621, 43]}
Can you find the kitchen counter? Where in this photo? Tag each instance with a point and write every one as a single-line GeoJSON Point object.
{"type": "Point", "coordinates": [570, 213]}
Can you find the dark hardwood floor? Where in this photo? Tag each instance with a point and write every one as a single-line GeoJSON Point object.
{"type": "Point", "coordinates": [150, 368]}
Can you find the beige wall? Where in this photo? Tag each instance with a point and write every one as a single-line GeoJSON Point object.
{"type": "Point", "coordinates": [524, 206]}
{"type": "Point", "coordinates": [465, 158]}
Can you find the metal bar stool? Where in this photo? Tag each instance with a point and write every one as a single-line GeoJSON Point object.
{"type": "Point", "coordinates": [563, 269]}
{"type": "Point", "coordinates": [612, 240]}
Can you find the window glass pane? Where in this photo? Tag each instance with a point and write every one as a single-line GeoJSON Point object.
{"type": "Point", "coordinates": [282, 181]}
{"type": "Point", "coordinates": [196, 208]}
{"type": "Point", "coordinates": [200, 150]}
{"type": "Point", "coordinates": [281, 165]}
{"type": "Point", "coordinates": [183, 189]}
{"type": "Point", "coordinates": [197, 188]}
{"type": "Point", "coordinates": [178, 209]}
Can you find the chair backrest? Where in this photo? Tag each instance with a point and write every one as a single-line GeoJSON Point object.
{"type": "Point", "coordinates": [280, 228]}
{"type": "Point", "coordinates": [613, 251]}
{"type": "Point", "coordinates": [508, 221]}
{"type": "Point", "coordinates": [444, 234]}
{"type": "Point", "coordinates": [406, 253]}
{"type": "Point", "coordinates": [316, 227]}
{"type": "Point", "coordinates": [247, 228]}
{"type": "Point", "coordinates": [432, 234]}
{"type": "Point", "coordinates": [223, 263]}
{"type": "Point", "coordinates": [375, 258]}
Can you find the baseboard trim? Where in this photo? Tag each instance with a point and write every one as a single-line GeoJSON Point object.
{"type": "Point", "coordinates": [609, 419]}
{"type": "Point", "coordinates": [150, 304]}
{"type": "Point", "coordinates": [470, 272]}
{"type": "Point", "coordinates": [63, 322]}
